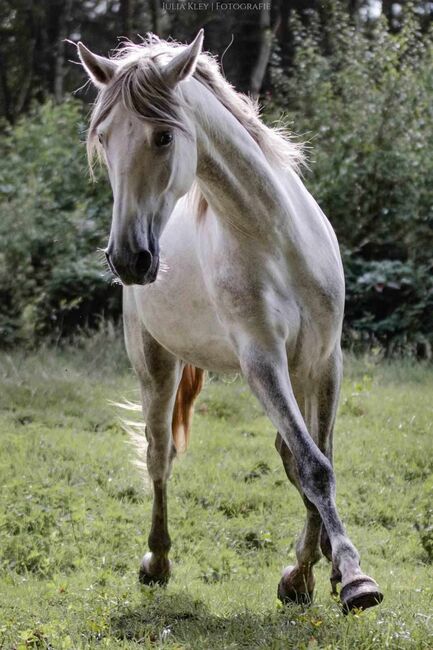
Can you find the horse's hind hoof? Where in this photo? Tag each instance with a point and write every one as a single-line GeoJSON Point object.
{"type": "Point", "coordinates": [151, 578]}
{"type": "Point", "coordinates": [292, 587]}
{"type": "Point", "coordinates": [361, 593]}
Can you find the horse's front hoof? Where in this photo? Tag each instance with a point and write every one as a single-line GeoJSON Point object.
{"type": "Point", "coordinates": [153, 575]}
{"type": "Point", "coordinates": [361, 593]}
{"type": "Point", "coordinates": [294, 588]}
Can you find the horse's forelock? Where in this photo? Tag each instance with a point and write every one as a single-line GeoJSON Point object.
{"type": "Point", "coordinates": [140, 85]}
{"type": "Point", "coordinates": [146, 94]}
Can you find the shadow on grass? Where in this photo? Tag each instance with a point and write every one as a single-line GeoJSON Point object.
{"type": "Point", "coordinates": [177, 618]}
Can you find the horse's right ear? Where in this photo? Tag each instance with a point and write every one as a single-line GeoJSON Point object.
{"type": "Point", "coordinates": [183, 64]}
{"type": "Point", "coordinates": [99, 69]}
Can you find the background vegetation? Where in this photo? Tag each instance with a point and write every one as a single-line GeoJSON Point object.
{"type": "Point", "coordinates": [354, 78]}
{"type": "Point", "coordinates": [355, 84]}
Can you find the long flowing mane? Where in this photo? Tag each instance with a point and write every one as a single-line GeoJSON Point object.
{"type": "Point", "coordinates": [141, 87]}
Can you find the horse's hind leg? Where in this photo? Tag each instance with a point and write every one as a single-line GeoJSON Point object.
{"type": "Point", "coordinates": [159, 374]}
{"type": "Point", "coordinates": [319, 410]}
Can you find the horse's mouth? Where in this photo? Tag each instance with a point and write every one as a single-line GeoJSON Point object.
{"type": "Point", "coordinates": [129, 279]}
{"type": "Point", "coordinates": [152, 274]}
{"type": "Point", "coordinates": [136, 269]}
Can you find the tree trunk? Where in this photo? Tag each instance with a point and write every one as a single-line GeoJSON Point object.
{"type": "Point", "coordinates": [7, 109]}
{"type": "Point", "coordinates": [353, 6]}
{"type": "Point", "coordinates": [266, 38]}
{"type": "Point", "coordinates": [24, 94]}
{"type": "Point", "coordinates": [155, 12]}
{"type": "Point", "coordinates": [125, 12]}
{"type": "Point", "coordinates": [387, 9]}
{"type": "Point", "coordinates": [59, 63]}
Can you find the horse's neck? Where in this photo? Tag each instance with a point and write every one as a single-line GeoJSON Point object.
{"type": "Point", "coordinates": [233, 173]}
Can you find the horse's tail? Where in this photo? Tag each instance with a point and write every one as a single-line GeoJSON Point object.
{"type": "Point", "coordinates": [187, 392]}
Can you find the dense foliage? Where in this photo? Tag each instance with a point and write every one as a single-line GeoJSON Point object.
{"type": "Point", "coordinates": [34, 49]}
{"type": "Point", "coordinates": [362, 97]}
{"type": "Point", "coordinates": [52, 222]}
{"type": "Point", "coordinates": [359, 94]}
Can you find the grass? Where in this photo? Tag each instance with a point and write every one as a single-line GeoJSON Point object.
{"type": "Point", "coordinates": [74, 514]}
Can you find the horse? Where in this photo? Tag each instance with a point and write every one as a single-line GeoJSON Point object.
{"type": "Point", "coordinates": [227, 264]}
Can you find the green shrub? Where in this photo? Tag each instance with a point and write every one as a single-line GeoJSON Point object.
{"type": "Point", "coordinates": [360, 95]}
{"type": "Point", "coordinates": [362, 98]}
{"type": "Point", "coordinates": [390, 302]}
{"type": "Point", "coordinates": [52, 222]}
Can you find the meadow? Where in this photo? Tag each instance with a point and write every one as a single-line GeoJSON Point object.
{"type": "Point", "coordinates": [75, 512]}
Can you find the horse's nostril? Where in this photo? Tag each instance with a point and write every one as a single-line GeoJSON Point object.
{"type": "Point", "coordinates": [143, 262]}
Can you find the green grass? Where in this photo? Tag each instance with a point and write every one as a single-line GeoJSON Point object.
{"type": "Point", "coordinates": [74, 514]}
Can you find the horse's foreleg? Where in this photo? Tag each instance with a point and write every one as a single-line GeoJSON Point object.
{"type": "Point", "coordinates": [318, 407]}
{"type": "Point", "coordinates": [159, 374]}
{"type": "Point", "coordinates": [265, 368]}
{"type": "Point", "coordinates": [155, 565]}
{"type": "Point", "coordinates": [158, 397]}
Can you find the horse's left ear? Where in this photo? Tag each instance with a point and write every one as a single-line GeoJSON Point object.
{"type": "Point", "coordinates": [183, 64]}
{"type": "Point", "coordinates": [99, 69]}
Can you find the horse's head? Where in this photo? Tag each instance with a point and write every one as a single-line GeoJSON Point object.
{"type": "Point", "coordinates": [147, 138]}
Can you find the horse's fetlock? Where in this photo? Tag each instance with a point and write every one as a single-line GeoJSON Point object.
{"type": "Point", "coordinates": [346, 550]}
{"type": "Point", "coordinates": [312, 555]}
{"type": "Point", "coordinates": [159, 542]}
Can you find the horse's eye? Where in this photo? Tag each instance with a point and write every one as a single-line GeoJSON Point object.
{"type": "Point", "coordinates": [101, 138]}
{"type": "Point", "coordinates": [163, 138]}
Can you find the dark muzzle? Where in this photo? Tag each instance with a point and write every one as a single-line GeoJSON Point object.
{"type": "Point", "coordinates": [133, 268]}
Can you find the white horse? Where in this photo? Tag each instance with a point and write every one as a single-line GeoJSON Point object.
{"type": "Point", "coordinates": [252, 281]}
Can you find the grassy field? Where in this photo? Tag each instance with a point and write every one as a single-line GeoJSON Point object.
{"type": "Point", "coordinates": [74, 514]}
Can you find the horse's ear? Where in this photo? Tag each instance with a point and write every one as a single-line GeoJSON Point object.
{"type": "Point", "coordinates": [183, 64]}
{"type": "Point", "coordinates": [99, 69]}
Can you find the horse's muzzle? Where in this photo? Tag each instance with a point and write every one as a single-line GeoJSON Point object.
{"type": "Point", "coordinates": [133, 268]}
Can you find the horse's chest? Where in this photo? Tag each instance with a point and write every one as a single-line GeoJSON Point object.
{"type": "Point", "coordinates": [178, 312]}
{"type": "Point", "coordinates": [209, 290]}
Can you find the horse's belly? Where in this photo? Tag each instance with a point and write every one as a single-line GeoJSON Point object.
{"type": "Point", "coordinates": [186, 325]}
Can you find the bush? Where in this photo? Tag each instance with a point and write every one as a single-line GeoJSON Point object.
{"type": "Point", "coordinates": [362, 96]}
{"type": "Point", "coordinates": [52, 222]}
{"type": "Point", "coordinates": [390, 302]}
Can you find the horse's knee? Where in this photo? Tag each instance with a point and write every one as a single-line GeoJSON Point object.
{"type": "Point", "coordinates": [261, 365]}
{"type": "Point", "coordinates": [160, 454]}
{"type": "Point", "coordinates": [316, 476]}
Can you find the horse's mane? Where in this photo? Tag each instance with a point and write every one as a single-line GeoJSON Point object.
{"type": "Point", "coordinates": [141, 87]}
